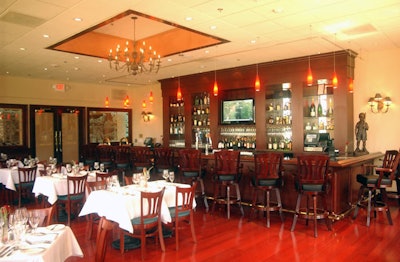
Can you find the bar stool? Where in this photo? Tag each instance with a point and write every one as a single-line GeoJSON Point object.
{"type": "Point", "coordinates": [190, 169]}
{"type": "Point", "coordinates": [312, 179]}
{"type": "Point", "coordinates": [371, 182]}
{"type": "Point", "coordinates": [227, 173]}
{"type": "Point", "coordinates": [268, 177]}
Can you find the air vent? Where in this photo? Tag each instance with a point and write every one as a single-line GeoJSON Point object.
{"type": "Point", "coordinates": [22, 19]}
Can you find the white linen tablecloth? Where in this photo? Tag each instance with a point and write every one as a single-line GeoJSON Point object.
{"type": "Point", "coordinates": [9, 176]}
{"type": "Point", "coordinates": [53, 186]}
{"type": "Point", "coordinates": [64, 246]}
{"type": "Point", "coordinates": [123, 205]}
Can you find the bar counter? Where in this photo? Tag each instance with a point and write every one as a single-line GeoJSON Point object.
{"type": "Point", "coordinates": [343, 191]}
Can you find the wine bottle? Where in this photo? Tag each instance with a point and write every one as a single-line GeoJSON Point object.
{"type": "Point", "coordinates": [319, 109]}
{"type": "Point", "coordinates": [312, 108]}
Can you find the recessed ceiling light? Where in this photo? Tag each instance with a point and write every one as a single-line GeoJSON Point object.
{"type": "Point", "coordinates": [188, 18]}
{"type": "Point", "coordinates": [277, 10]}
{"type": "Point", "coordinates": [100, 61]}
{"type": "Point", "coordinates": [46, 36]}
{"type": "Point", "coordinates": [45, 69]}
{"type": "Point", "coordinates": [76, 68]}
{"type": "Point", "coordinates": [213, 27]}
{"type": "Point", "coordinates": [253, 41]}
{"type": "Point", "coordinates": [22, 48]}
{"type": "Point", "coordinates": [206, 51]}
{"type": "Point", "coordinates": [169, 59]}
{"type": "Point", "coordinates": [78, 19]}
{"type": "Point", "coordinates": [76, 57]}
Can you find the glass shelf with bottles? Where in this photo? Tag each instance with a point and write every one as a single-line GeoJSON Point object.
{"type": "Point", "coordinates": [237, 137]}
{"type": "Point", "coordinates": [201, 110]}
{"type": "Point", "coordinates": [318, 110]}
{"type": "Point", "coordinates": [279, 117]}
{"type": "Point", "coordinates": [177, 120]}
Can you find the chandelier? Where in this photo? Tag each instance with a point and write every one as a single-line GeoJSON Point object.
{"type": "Point", "coordinates": [134, 58]}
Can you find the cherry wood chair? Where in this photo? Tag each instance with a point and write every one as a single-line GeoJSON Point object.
{"type": "Point", "coordinates": [190, 169]}
{"type": "Point", "coordinates": [163, 159]}
{"type": "Point", "coordinates": [183, 211]}
{"type": "Point", "coordinates": [227, 174]}
{"type": "Point", "coordinates": [396, 194]}
{"type": "Point", "coordinates": [46, 215]}
{"type": "Point", "coordinates": [105, 155]}
{"type": "Point", "coordinates": [268, 177]}
{"type": "Point", "coordinates": [122, 159]}
{"type": "Point", "coordinates": [141, 157]}
{"type": "Point", "coordinates": [26, 176]}
{"type": "Point", "coordinates": [148, 225]}
{"type": "Point", "coordinates": [89, 154]}
{"type": "Point", "coordinates": [105, 226]}
{"type": "Point", "coordinates": [93, 219]}
{"type": "Point", "coordinates": [313, 180]}
{"type": "Point", "coordinates": [105, 175]}
{"type": "Point", "coordinates": [76, 186]}
{"type": "Point", "coordinates": [128, 180]}
{"type": "Point", "coordinates": [371, 182]}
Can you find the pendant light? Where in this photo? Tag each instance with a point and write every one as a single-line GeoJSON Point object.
{"type": "Point", "coordinates": [126, 102]}
{"type": "Point", "coordinates": [151, 98]}
{"type": "Point", "coordinates": [144, 105]}
{"type": "Point", "coordinates": [309, 74]}
{"type": "Point", "coordinates": [334, 78]}
{"type": "Point", "coordinates": [351, 82]}
{"type": "Point", "coordinates": [106, 102]}
{"type": "Point", "coordinates": [257, 82]}
{"type": "Point", "coordinates": [179, 92]}
{"type": "Point", "coordinates": [215, 89]}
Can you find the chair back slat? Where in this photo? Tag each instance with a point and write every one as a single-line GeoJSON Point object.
{"type": "Point", "coordinates": [190, 160]}
{"type": "Point", "coordinates": [26, 174]}
{"type": "Point", "coordinates": [76, 185]}
{"type": "Point", "coordinates": [184, 199]}
{"type": "Point", "coordinates": [227, 162]}
{"type": "Point", "coordinates": [141, 156]}
{"type": "Point", "coordinates": [312, 169]}
{"type": "Point", "coordinates": [151, 207]}
{"type": "Point", "coordinates": [268, 165]}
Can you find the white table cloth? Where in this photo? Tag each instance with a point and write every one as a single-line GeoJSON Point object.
{"type": "Point", "coordinates": [9, 176]}
{"type": "Point", "coordinates": [64, 246]}
{"type": "Point", "coordinates": [123, 205]}
{"type": "Point", "coordinates": [53, 186]}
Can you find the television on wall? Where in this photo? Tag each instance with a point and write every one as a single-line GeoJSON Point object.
{"type": "Point", "coordinates": [238, 111]}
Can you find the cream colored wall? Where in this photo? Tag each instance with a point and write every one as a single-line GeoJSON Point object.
{"type": "Point", "coordinates": [379, 72]}
{"type": "Point", "coordinates": [16, 90]}
{"type": "Point", "coordinates": [374, 72]}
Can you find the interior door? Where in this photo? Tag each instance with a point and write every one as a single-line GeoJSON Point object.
{"type": "Point", "coordinates": [56, 133]}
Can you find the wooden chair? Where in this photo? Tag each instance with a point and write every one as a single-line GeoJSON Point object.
{"type": "Point", "coordinates": [268, 177]}
{"type": "Point", "coordinates": [312, 179]}
{"type": "Point", "coordinates": [227, 174]}
{"type": "Point", "coordinates": [371, 182]}
{"type": "Point", "coordinates": [128, 180]}
{"type": "Point", "coordinates": [163, 159]}
{"type": "Point", "coordinates": [149, 222]}
{"type": "Point", "coordinates": [190, 168]}
{"type": "Point", "coordinates": [93, 219]}
{"type": "Point", "coordinates": [105, 175]}
{"type": "Point", "coordinates": [75, 197]}
{"type": "Point", "coordinates": [183, 211]}
{"type": "Point", "coordinates": [89, 154]}
{"type": "Point", "coordinates": [46, 215]}
{"type": "Point", "coordinates": [141, 157]}
{"type": "Point", "coordinates": [26, 176]}
{"type": "Point", "coordinates": [105, 155]}
{"type": "Point", "coordinates": [105, 226]}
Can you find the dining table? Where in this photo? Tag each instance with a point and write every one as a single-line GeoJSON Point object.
{"type": "Point", "coordinates": [9, 175]}
{"type": "Point", "coordinates": [55, 185]}
{"type": "Point", "coordinates": [122, 204]}
{"type": "Point", "coordinates": [53, 243]}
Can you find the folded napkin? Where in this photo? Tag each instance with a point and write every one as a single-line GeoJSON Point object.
{"type": "Point", "coordinates": [40, 238]}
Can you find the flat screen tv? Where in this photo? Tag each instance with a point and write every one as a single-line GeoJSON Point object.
{"type": "Point", "coordinates": [238, 111]}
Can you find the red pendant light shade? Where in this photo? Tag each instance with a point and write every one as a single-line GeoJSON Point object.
{"type": "Point", "coordinates": [151, 98]}
{"type": "Point", "coordinates": [144, 104]}
{"type": "Point", "coordinates": [257, 82]}
{"type": "Point", "coordinates": [309, 74]}
{"type": "Point", "coordinates": [334, 80]}
{"type": "Point", "coordinates": [179, 92]}
{"type": "Point", "coordinates": [351, 81]}
{"type": "Point", "coordinates": [107, 102]}
{"type": "Point", "coordinates": [215, 89]}
{"type": "Point", "coordinates": [126, 101]}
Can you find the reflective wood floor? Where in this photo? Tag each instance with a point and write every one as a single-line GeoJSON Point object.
{"type": "Point", "coordinates": [238, 239]}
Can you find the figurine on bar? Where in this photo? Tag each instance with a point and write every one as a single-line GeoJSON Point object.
{"type": "Point", "coordinates": [361, 135]}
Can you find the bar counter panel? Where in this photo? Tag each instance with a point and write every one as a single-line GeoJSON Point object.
{"type": "Point", "coordinates": [343, 190]}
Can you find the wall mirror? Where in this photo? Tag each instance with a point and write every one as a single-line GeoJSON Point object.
{"type": "Point", "coordinates": [12, 125]}
{"type": "Point", "coordinates": [110, 123]}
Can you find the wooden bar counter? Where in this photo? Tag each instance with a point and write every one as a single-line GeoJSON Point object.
{"type": "Point", "coordinates": [343, 191]}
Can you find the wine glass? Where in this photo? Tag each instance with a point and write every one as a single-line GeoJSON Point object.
{"type": "Point", "coordinates": [171, 177]}
{"type": "Point", "coordinates": [136, 178]}
{"type": "Point", "coordinates": [96, 165]}
{"type": "Point", "coordinates": [34, 220]}
{"type": "Point", "coordinates": [102, 167]}
{"type": "Point", "coordinates": [22, 214]}
{"type": "Point", "coordinates": [26, 161]}
{"type": "Point", "coordinates": [81, 166]}
{"type": "Point", "coordinates": [69, 168]}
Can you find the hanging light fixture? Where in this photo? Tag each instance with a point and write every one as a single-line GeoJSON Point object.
{"type": "Point", "coordinates": [151, 98]}
{"type": "Point", "coordinates": [144, 105]}
{"type": "Point", "coordinates": [106, 102]}
{"type": "Point", "coordinates": [126, 102]}
{"type": "Point", "coordinates": [334, 78]}
{"type": "Point", "coordinates": [257, 82]}
{"type": "Point", "coordinates": [135, 59]}
{"type": "Point", "coordinates": [179, 92]}
{"type": "Point", "coordinates": [215, 89]}
{"type": "Point", "coordinates": [351, 82]}
{"type": "Point", "coordinates": [309, 74]}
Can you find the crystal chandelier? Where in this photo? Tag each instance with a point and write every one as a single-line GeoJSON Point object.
{"type": "Point", "coordinates": [140, 59]}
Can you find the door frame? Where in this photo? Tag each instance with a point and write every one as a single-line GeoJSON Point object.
{"type": "Point", "coordinates": [57, 109]}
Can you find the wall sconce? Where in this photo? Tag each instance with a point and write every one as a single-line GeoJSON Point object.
{"type": "Point", "coordinates": [379, 104]}
{"type": "Point", "coordinates": [146, 116]}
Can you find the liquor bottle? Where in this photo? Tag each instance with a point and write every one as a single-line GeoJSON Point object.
{"type": "Point", "coordinates": [312, 108]}
{"type": "Point", "coordinates": [319, 109]}
{"type": "Point", "coordinates": [275, 144]}
{"type": "Point", "coordinates": [330, 109]}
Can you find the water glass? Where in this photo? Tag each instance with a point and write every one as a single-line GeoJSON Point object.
{"type": "Point", "coordinates": [102, 167]}
{"type": "Point", "coordinates": [34, 219]}
{"type": "Point", "coordinates": [171, 176]}
{"type": "Point", "coordinates": [165, 174]}
{"type": "Point", "coordinates": [96, 165]}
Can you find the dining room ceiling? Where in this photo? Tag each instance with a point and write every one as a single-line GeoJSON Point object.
{"type": "Point", "coordinates": [215, 34]}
